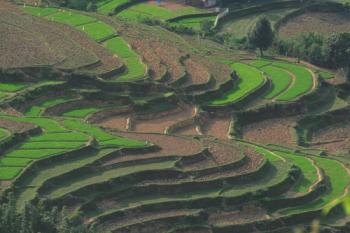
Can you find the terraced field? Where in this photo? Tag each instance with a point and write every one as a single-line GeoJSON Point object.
{"type": "Point", "coordinates": [178, 138]}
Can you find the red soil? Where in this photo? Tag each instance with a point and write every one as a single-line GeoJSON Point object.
{"type": "Point", "coordinates": [249, 213]}
{"type": "Point", "coordinates": [218, 127]}
{"type": "Point", "coordinates": [197, 72]}
{"type": "Point", "coordinates": [156, 68]}
{"type": "Point", "coordinates": [188, 131]}
{"type": "Point", "coordinates": [171, 145]}
{"type": "Point", "coordinates": [321, 22]}
{"type": "Point", "coordinates": [160, 124]}
{"type": "Point", "coordinates": [15, 127]}
{"type": "Point", "coordinates": [223, 153]}
{"type": "Point", "coordinates": [273, 131]}
{"type": "Point", "coordinates": [116, 122]}
{"type": "Point", "coordinates": [333, 139]}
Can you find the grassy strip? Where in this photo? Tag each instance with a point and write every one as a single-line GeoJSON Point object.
{"type": "Point", "coordinates": [52, 170]}
{"type": "Point", "coordinates": [309, 176]}
{"type": "Point", "coordinates": [11, 87]}
{"type": "Point", "coordinates": [105, 7]}
{"type": "Point", "coordinates": [97, 30]}
{"type": "Point", "coordinates": [70, 18]}
{"type": "Point", "coordinates": [14, 162]}
{"type": "Point", "coordinates": [280, 80]}
{"type": "Point", "coordinates": [102, 176]}
{"type": "Point", "coordinates": [50, 145]}
{"type": "Point", "coordinates": [303, 81]}
{"type": "Point", "coordinates": [100, 135]}
{"type": "Point", "coordinates": [34, 153]}
{"type": "Point", "coordinates": [39, 11]}
{"type": "Point", "coordinates": [80, 113]}
{"type": "Point", "coordinates": [8, 173]}
{"type": "Point", "coordinates": [260, 63]}
{"type": "Point", "coordinates": [35, 111]}
{"type": "Point", "coordinates": [119, 46]}
{"type": "Point", "coordinates": [135, 68]}
{"type": "Point", "coordinates": [339, 180]}
{"type": "Point", "coordinates": [143, 10]}
{"type": "Point", "coordinates": [70, 136]}
{"type": "Point", "coordinates": [194, 23]}
{"type": "Point", "coordinates": [250, 78]}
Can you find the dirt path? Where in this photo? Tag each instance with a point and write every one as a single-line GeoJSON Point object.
{"type": "Point", "coordinates": [319, 174]}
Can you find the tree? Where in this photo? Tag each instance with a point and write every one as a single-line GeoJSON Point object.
{"type": "Point", "coordinates": [206, 27]}
{"type": "Point", "coordinates": [262, 35]}
{"type": "Point", "coordinates": [339, 50]}
{"type": "Point", "coordinates": [36, 218]}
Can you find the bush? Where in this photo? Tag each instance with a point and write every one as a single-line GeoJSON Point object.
{"type": "Point", "coordinates": [37, 218]}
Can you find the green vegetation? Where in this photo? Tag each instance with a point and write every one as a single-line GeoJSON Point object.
{"type": "Point", "coordinates": [101, 135]}
{"type": "Point", "coordinates": [38, 11]}
{"type": "Point", "coordinates": [11, 87]}
{"type": "Point", "coordinates": [70, 18]}
{"type": "Point", "coordinates": [194, 23]}
{"type": "Point", "coordinates": [34, 153]}
{"type": "Point", "coordinates": [280, 80]}
{"type": "Point", "coordinates": [146, 10]}
{"type": "Point", "coordinates": [69, 136]}
{"type": "Point", "coordinates": [80, 113]}
{"type": "Point", "coordinates": [119, 46]}
{"type": "Point", "coordinates": [135, 68]}
{"type": "Point", "coordinates": [14, 162]}
{"type": "Point", "coordinates": [8, 173]}
{"type": "Point", "coordinates": [309, 171]}
{"type": "Point", "coordinates": [339, 180]}
{"type": "Point", "coordinates": [106, 175]}
{"type": "Point", "coordinates": [325, 74]}
{"type": "Point", "coordinates": [106, 7]}
{"type": "Point", "coordinates": [98, 30]}
{"type": "Point", "coordinates": [250, 79]}
{"type": "Point", "coordinates": [302, 84]}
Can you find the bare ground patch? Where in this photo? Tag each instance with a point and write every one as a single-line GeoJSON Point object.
{"type": "Point", "coordinates": [116, 122]}
{"type": "Point", "coordinates": [273, 131]}
{"type": "Point", "coordinates": [16, 127]}
{"type": "Point", "coordinates": [248, 213]}
{"type": "Point", "coordinates": [171, 145]}
{"type": "Point", "coordinates": [197, 72]}
{"type": "Point", "coordinates": [333, 139]}
{"type": "Point", "coordinates": [160, 124]}
{"type": "Point", "coordinates": [320, 22]}
{"type": "Point", "coordinates": [218, 127]}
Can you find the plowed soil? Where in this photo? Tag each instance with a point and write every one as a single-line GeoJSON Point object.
{"type": "Point", "coordinates": [218, 127]}
{"type": "Point", "coordinates": [273, 131]}
{"type": "Point", "coordinates": [197, 72]}
{"type": "Point", "coordinates": [323, 23]}
{"type": "Point", "coordinates": [116, 122]}
{"type": "Point", "coordinates": [160, 124]}
{"type": "Point", "coordinates": [171, 145]}
{"type": "Point", "coordinates": [334, 139]}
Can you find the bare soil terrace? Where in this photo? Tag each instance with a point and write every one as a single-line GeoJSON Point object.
{"type": "Point", "coordinates": [159, 125]}
{"type": "Point", "coordinates": [271, 131]}
{"type": "Point", "coordinates": [320, 22]}
{"type": "Point", "coordinates": [334, 139]}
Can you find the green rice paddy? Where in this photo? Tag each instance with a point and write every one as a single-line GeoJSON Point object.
{"type": "Point", "coordinates": [250, 78]}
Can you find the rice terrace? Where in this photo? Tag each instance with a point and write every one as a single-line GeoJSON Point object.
{"type": "Point", "coordinates": [175, 116]}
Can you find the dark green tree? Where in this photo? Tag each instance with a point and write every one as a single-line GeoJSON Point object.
{"type": "Point", "coordinates": [36, 218]}
{"type": "Point", "coordinates": [262, 35]}
{"type": "Point", "coordinates": [339, 50]}
{"type": "Point", "coordinates": [206, 27]}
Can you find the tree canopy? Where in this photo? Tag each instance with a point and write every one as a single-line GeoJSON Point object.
{"type": "Point", "coordinates": [262, 35]}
